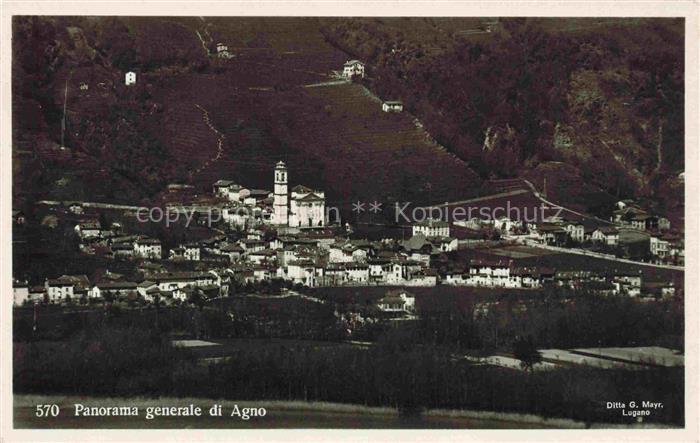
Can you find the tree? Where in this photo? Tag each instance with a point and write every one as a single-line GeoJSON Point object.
{"type": "Point", "coordinates": [524, 350]}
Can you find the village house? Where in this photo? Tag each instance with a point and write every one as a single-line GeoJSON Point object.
{"type": "Point", "coordinates": [114, 290]}
{"type": "Point", "coordinates": [346, 253]}
{"type": "Point", "coordinates": [18, 218]}
{"type": "Point", "coordinates": [88, 229]}
{"type": "Point", "coordinates": [37, 294]}
{"type": "Point", "coordinates": [658, 246]}
{"type": "Point", "coordinates": [378, 269]}
{"type": "Point", "coordinates": [456, 277]}
{"type": "Point", "coordinates": [606, 234]}
{"type": "Point", "coordinates": [263, 272]}
{"type": "Point", "coordinates": [298, 252]}
{"type": "Point", "coordinates": [20, 292]}
{"type": "Point", "coordinates": [392, 106]}
{"type": "Point", "coordinates": [251, 245]}
{"type": "Point", "coordinates": [262, 256]}
{"type": "Point", "coordinates": [189, 251]}
{"type": "Point", "coordinates": [353, 68]}
{"type": "Point", "coordinates": [357, 272]}
{"type": "Point", "coordinates": [143, 288]}
{"type": "Point", "coordinates": [178, 280]}
{"type": "Point", "coordinates": [627, 283]}
{"type": "Point", "coordinates": [65, 287]}
{"type": "Point", "coordinates": [432, 228]}
{"type": "Point", "coordinates": [237, 216]}
{"type": "Point", "coordinates": [256, 196]}
{"type": "Point", "coordinates": [532, 277]}
{"type": "Point", "coordinates": [230, 190]}
{"type": "Point", "coordinates": [398, 272]}
{"type": "Point", "coordinates": [576, 231]}
{"type": "Point", "coordinates": [75, 208]}
{"type": "Point", "coordinates": [550, 234]}
{"type": "Point", "coordinates": [397, 301]}
{"type": "Point", "coordinates": [625, 213]}
{"type": "Point", "coordinates": [423, 277]}
{"type": "Point", "coordinates": [122, 250]}
{"type": "Point", "coordinates": [146, 247]}
{"type": "Point", "coordinates": [503, 224]}
{"type": "Point", "coordinates": [492, 273]}
{"type": "Point", "coordinates": [302, 272]}
{"type": "Point", "coordinates": [658, 289]}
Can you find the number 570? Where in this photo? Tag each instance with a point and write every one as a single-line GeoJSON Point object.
{"type": "Point", "coordinates": [47, 410]}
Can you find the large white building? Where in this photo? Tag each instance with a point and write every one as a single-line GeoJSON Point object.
{"type": "Point", "coordinates": [305, 209]}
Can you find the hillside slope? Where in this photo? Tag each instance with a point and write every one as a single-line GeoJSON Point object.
{"type": "Point", "coordinates": [125, 144]}
{"type": "Point", "coordinates": [604, 96]}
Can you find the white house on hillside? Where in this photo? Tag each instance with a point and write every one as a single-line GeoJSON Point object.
{"type": "Point", "coordinates": [130, 78]}
{"type": "Point", "coordinates": [397, 301]}
{"type": "Point", "coordinates": [392, 106]}
{"type": "Point", "coordinates": [353, 68]}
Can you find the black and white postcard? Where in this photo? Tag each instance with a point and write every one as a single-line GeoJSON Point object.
{"type": "Point", "coordinates": [345, 218]}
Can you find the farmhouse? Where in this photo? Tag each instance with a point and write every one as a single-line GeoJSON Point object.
{"type": "Point", "coordinates": [392, 106]}
{"type": "Point", "coordinates": [353, 68]}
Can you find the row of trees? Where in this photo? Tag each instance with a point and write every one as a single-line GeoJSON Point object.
{"type": "Point", "coordinates": [396, 372]}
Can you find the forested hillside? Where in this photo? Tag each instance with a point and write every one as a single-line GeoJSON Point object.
{"type": "Point", "coordinates": [594, 106]}
{"type": "Point", "coordinates": [587, 103]}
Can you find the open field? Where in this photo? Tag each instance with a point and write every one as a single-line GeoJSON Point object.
{"type": "Point", "coordinates": [520, 251]}
{"type": "Point", "coordinates": [654, 355]}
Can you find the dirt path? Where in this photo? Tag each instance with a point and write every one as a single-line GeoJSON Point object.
{"type": "Point", "coordinates": [219, 145]}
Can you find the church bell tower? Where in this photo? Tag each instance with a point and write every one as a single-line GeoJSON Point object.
{"type": "Point", "coordinates": [281, 207]}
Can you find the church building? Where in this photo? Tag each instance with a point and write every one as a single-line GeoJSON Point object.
{"type": "Point", "coordinates": [305, 209]}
